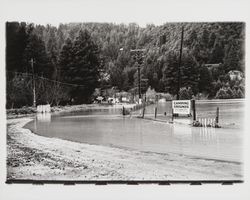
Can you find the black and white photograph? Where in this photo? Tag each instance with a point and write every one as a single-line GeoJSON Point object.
{"type": "Point", "coordinates": [124, 101]}
{"type": "Point", "coordinates": [105, 101]}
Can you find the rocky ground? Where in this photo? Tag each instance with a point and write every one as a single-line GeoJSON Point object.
{"type": "Point", "coordinates": [39, 158]}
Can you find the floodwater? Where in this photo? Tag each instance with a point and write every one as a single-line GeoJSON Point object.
{"type": "Point", "coordinates": [107, 127]}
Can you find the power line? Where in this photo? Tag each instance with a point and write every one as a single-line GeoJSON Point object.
{"type": "Point", "coordinates": [47, 79]}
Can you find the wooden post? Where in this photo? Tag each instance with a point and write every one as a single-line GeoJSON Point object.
{"type": "Point", "coordinates": [217, 116]}
{"type": "Point", "coordinates": [123, 110]}
{"type": "Point", "coordinates": [172, 114]}
{"type": "Point", "coordinates": [194, 110]}
{"type": "Point", "coordinates": [143, 110]}
{"type": "Point", "coordinates": [155, 112]}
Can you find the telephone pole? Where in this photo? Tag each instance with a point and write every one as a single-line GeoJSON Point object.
{"type": "Point", "coordinates": [33, 82]}
{"type": "Point", "coordinates": [179, 66]}
{"type": "Point", "coordinates": [138, 57]}
{"type": "Point", "coordinates": [139, 80]}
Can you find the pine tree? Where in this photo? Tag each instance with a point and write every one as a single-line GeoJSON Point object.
{"type": "Point", "coordinates": [189, 72]}
{"type": "Point", "coordinates": [66, 60]}
{"type": "Point", "coordinates": [233, 57]}
{"type": "Point", "coordinates": [82, 66]}
{"type": "Point", "coordinates": [205, 80]}
{"type": "Point", "coordinates": [35, 50]}
{"type": "Point", "coordinates": [16, 39]}
{"type": "Point", "coordinates": [170, 73]}
{"type": "Point", "coordinates": [205, 38]}
{"type": "Point", "coordinates": [212, 39]}
{"type": "Point", "coordinates": [192, 39]}
{"type": "Point", "coordinates": [217, 53]}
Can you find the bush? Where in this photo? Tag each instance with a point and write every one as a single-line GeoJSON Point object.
{"type": "Point", "coordinates": [239, 94]}
{"type": "Point", "coordinates": [230, 93]}
{"type": "Point", "coordinates": [186, 93]}
{"type": "Point", "coordinates": [222, 94]}
{"type": "Point", "coordinates": [168, 97]}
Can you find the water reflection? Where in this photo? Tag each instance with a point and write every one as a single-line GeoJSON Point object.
{"type": "Point", "coordinates": [144, 135]}
{"type": "Point", "coordinates": [43, 117]}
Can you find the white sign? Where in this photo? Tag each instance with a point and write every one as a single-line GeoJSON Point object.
{"type": "Point", "coordinates": [181, 107]}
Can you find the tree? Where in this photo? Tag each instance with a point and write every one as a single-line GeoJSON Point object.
{"type": "Point", "coordinates": [212, 39]}
{"type": "Point", "coordinates": [16, 41]}
{"type": "Point", "coordinates": [222, 94]}
{"type": "Point", "coordinates": [19, 92]}
{"type": "Point", "coordinates": [116, 76]}
{"type": "Point", "coordinates": [66, 60]}
{"type": "Point", "coordinates": [82, 66]}
{"type": "Point", "coordinates": [189, 72]}
{"type": "Point", "coordinates": [170, 73]}
{"type": "Point", "coordinates": [35, 50]}
{"type": "Point", "coordinates": [217, 53]}
{"type": "Point", "coordinates": [77, 57]}
{"type": "Point", "coordinates": [232, 60]}
{"type": "Point", "coordinates": [205, 81]}
{"type": "Point", "coordinates": [192, 39]}
{"type": "Point", "coordinates": [239, 94]}
{"type": "Point", "coordinates": [205, 37]}
{"type": "Point", "coordinates": [52, 51]}
{"type": "Point", "coordinates": [186, 93]}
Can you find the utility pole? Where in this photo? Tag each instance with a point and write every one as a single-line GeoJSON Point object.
{"type": "Point", "coordinates": [33, 81]}
{"type": "Point", "coordinates": [139, 79]}
{"type": "Point", "coordinates": [138, 57]}
{"type": "Point", "coordinates": [179, 66]}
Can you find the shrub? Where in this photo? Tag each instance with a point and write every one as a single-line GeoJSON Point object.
{"type": "Point", "coordinates": [168, 97]}
{"type": "Point", "coordinates": [222, 94]}
{"type": "Point", "coordinates": [230, 93]}
{"type": "Point", "coordinates": [239, 94]}
{"type": "Point", "coordinates": [186, 93]}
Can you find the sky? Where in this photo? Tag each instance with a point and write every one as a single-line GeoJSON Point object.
{"type": "Point", "coordinates": [122, 11]}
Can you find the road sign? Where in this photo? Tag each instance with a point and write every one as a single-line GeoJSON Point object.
{"type": "Point", "coordinates": [182, 107]}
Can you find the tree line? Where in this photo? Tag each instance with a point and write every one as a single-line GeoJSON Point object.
{"type": "Point", "coordinates": [97, 55]}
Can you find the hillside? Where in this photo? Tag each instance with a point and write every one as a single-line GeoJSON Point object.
{"type": "Point", "coordinates": [59, 56]}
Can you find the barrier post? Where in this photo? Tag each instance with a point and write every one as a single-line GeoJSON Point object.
{"type": "Point", "coordinates": [172, 114]}
{"type": "Point", "coordinates": [217, 116]}
{"type": "Point", "coordinates": [143, 110]}
{"type": "Point", "coordinates": [194, 109]}
{"type": "Point", "coordinates": [123, 110]}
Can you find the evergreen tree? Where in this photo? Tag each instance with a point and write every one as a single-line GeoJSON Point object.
{"type": "Point", "coordinates": [217, 53]}
{"type": "Point", "coordinates": [205, 80]}
{"type": "Point", "coordinates": [170, 73]}
{"type": "Point", "coordinates": [205, 38]}
{"type": "Point", "coordinates": [66, 60]}
{"type": "Point", "coordinates": [16, 41]}
{"type": "Point", "coordinates": [192, 39]}
{"type": "Point", "coordinates": [83, 67]}
{"type": "Point", "coordinates": [233, 57]}
{"type": "Point", "coordinates": [189, 72]}
{"type": "Point", "coordinates": [35, 50]}
{"type": "Point", "coordinates": [212, 39]}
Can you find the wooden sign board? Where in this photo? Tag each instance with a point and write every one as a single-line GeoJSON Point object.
{"type": "Point", "coordinates": [182, 107]}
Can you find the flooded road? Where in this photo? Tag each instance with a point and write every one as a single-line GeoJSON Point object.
{"type": "Point", "coordinates": [107, 127]}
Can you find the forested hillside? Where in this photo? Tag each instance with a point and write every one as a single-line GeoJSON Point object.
{"type": "Point", "coordinates": [72, 60]}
